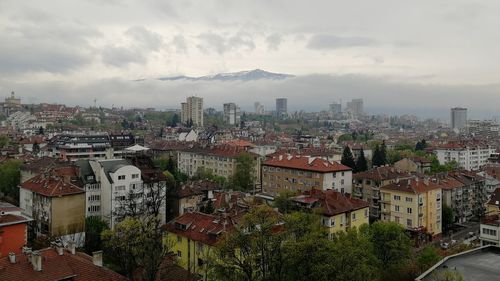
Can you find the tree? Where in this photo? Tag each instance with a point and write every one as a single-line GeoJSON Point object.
{"type": "Point", "coordinates": [282, 201]}
{"type": "Point", "coordinates": [10, 178]}
{"type": "Point", "coordinates": [348, 159]}
{"type": "Point", "coordinates": [135, 243]}
{"type": "Point", "coordinates": [383, 153]}
{"type": "Point", "coordinates": [41, 131]}
{"type": "Point", "coordinates": [175, 120]}
{"type": "Point", "coordinates": [35, 148]}
{"type": "Point", "coordinates": [380, 155]}
{"type": "Point", "coordinates": [391, 245]}
{"type": "Point", "coordinates": [361, 163]}
{"type": "Point", "coordinates": [447, 215]}
{"type": "Point", "coordinates": [421, 145]}
{"type": "Point", "coordinates": [4, 140]}
{"type": "Point", "coordinates": [427, 258]}
{"type": "Point", "coordinates": [252, 251]}
{"type": "Point", "coordinates": [94, 226]}
{"type": "Point", "coordinates": [244, 175]}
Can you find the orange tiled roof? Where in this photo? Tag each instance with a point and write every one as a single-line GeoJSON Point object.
{"type": "Point", "coordinates": [304, 163]}
{"type": "Point", "coordinates": [331, 202]}
{"type": "Point", "coordinates": [51, 186]}
{"type": "Point", "coordinates": [54, 267]}
{"type": "Point", "coordinates": [415, 186]}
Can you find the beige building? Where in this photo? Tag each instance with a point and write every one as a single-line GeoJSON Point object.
{"type": "Point", "coordinates": [219, 160]}
{"type": "Point", "coordinates": [414, 165]}
{"type": "Point", "coordinates": [56, 205]}
{"type": "Point", "coordinates": [366, 185]}
{"type": "Point", "coordinates": [302, 173]}
{"type": "Point", "coordinates": [414, 203]}
{"type": "Point", "coordinates": [192, 110]}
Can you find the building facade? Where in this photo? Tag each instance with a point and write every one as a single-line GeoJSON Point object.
{"type": "Point", "coordinates": [458, 118]}
{"type": "Point", "coordinates": [192, 111]}
{"type": "Point", "coordinates": [303, 173]}
{"type": "Point", "coordinates": [469, 156]}
{"type": "Point", "coordinates": [232, 114]}
{"type": "Point", "coordinates": [281, 107]}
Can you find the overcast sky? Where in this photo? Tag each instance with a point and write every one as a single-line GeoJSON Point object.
{"type": "Point", "coordinates": [419, 57]}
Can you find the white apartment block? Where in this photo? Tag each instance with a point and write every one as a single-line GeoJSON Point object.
{"type": "Point", "coordinates": [468, 157]}
{"type": "Point", "coordinates": [490, 230]}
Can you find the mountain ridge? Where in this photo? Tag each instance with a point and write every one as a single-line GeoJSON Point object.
{"type": "Point", "coordinates": [247, 75]}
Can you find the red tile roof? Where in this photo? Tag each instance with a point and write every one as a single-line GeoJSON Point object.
{"type": "Point", "coordinates": [331, 202]}
{"type": "Point", "coordinates": [200, 227]}
{"type": "Point", "coordinates": [54, 267]}
{"type": "Point", "coordinates": [51, 186]}
{"type": "Point", "coordinates": [415, 186]}
{"type": "Point", "coordinates": [10, 219]}
{"type": "Point", "coordinates": [305, 163]}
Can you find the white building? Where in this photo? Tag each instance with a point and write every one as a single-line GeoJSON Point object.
{"type": "Point", "coordinates": [458, 117]}
{"type": "Point", "coordinates": [231, 114]}
{"type": "Point", "coordinates": [490, 230]}
{"type": "Point", "coordinates": [259, 108]}
{"type": "Point", "coordinates": [192, 110]}
{"type": "Point", "coordinates": [468, 156]}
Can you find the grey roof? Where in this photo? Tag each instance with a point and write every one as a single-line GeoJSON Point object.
{"type": "Point", "coordinates": [474, 265]}
{"type": "Point", "coordinates": [110, 166]}
{"type": "Point", "coordinates": [85, 170]}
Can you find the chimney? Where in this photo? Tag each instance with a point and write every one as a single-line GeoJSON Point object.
{"type": "Point", "coordinates": [97, 258]}
{"type": "Point", "coordinates": [59, 248]}
{"type": "Point", "coordinates": [72, 247]}
{"type": "Point", "coordinates": [12, 257]}
{"type": "Point", "coordinates": [36, 261]}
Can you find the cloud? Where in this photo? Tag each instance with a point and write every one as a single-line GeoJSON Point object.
{"type": "Point", "coordinates": [325, 42]}
{"type": "Point", "coordinates": [144, 38]}
{"type": "Point", "coordinates": [405, 97]}
{"type": "Point", "coordinates": [210, 41]}
{"type": "Point", "coordinates": [180, 44]}
{"type": "Point", "coordinates": [121, 56]}
{"type": "Point", "coordinates": [274, 41]}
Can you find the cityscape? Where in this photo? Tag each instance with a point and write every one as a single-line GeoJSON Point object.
{"type": "Point", "coordinates": [248, 141]}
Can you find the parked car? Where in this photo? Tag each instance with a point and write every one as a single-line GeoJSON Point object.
{"type": "Point", "coordinates": [445, 245]}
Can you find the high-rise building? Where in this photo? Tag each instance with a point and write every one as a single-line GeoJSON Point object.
{"type": "Point", "coordinates": [335, 109]}
{"type": "Point", "coordinates": [231, 114]}
{"type": "Point", "coordinates": [355, 108]}
{"type": "Point", "coordinates": [458, 118]}
{"type": "Point", "coordinates": [259, 108]}
{"type": "Point", "coordinates": [281, 107]}
{"type": "Point", "coordinates": [192, 110]}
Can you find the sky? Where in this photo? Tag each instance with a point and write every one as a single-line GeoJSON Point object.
{"type": "Point", "coordinates": [420, 57]}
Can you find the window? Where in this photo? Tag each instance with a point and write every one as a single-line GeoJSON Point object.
{"type": "Point", "coordinates": [135, 176]}
{"type": "Point", "coordinates": [353, 216]}
{"type": "Point", "coordinates": [342, 181]}
{"type": "Point", "coordinates": [397, 197]}
{"type": "Point", "coordinates": [396, 219]}
{"type": "Point", "coordinates": [121, 177]}
{"type": "Point", "coordinates": [120, 188]}
{"type": "Point", "coordinates": [488, 231]}
{"type": "Point", "coordinates": [409, 199]}
{"type": "Point", "coordinates": [409, 223]}
{"type": "Point", "coordinates": [396, 208]}
{"type": "Point", "coordinates": [408, 210]}
{"type": "Point", "coordinates": [179, 239]}
{"type": "Point", "coordinates": [179, 254]}
{"type": "Point", "coordinates": [366, 213]}
{"type": "Point", "coordinates": [342, 173]}
{"type": "Point", "coordinates": [200, 262]}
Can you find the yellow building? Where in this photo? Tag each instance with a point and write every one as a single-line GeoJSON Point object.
{"type": "Point", "coordinates": [414, 203]}
{"type": "Point", "coordinates": [192, 237]}
{"type": "Point", "coordinates": [339, 211]}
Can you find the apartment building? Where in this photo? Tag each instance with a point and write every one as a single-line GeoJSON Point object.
{"type": "Point", "coordinates": [56, 204]}
{"type": "Point", "coordinates": [219, 160]}
{"type": "Point", "coordinates": [464, 192]}
{"type": "Point", "coordinates": [469, 155]}
{"type": "Point", "coordinates": [414, 203]}
{"type": "Point", "coordinates": [420, 165]}
{"type": "Point", "coordinates": [489, 229]}
{"type": "Point", "coordinates": [366, 186]}
{"type": "Point", "coordinates": [192, 111]}
{"type": "Point", "coordinates": [303, 173]}
{"type": "Point", "coordinates": [338, 210]}
{"type": "Point", "coordinates": [231, 114]}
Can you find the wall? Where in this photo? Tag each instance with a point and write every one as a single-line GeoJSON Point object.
{"type": "Point", "coordinates": [12, 238]}
{"type": "Point", "coordinates": [68, 214]}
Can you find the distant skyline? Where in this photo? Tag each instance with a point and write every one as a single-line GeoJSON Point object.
{"type": "Point", "coordinates": [420, 57]}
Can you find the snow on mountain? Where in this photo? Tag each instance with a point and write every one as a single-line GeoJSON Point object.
{"type": "Point", "coordinates": [248, 75]}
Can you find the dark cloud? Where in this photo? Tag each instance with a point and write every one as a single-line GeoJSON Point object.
{"type": "Point", "coordinates": [325, 42]}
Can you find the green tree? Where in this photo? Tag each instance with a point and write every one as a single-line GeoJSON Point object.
{"type": "Point", "coordinates": [4, 141]}
{"type": "Point", "coordinates": [94, 226]}
{"type": "Point", "coordinates": [376, 159]}
{"type": "Point", "coordinates": [447, 215]}
{"type": "Point", "coordinates": [383, 153]}
{"type": "Point", "coordinates": [252, 251]}
{"type": "Point", "coordinates": [282, 201]}
{"type": "Point", "coordinates": [348, 159]}
{"type": "Point", "coordinates": [421, 145]}
{"type": "Point", "coordinates": [361, 163]}
{"type": "Point", "coordinates": [135, 243]}
{"type": "Point", "coordinates": [175, 120]}
{"type": "Point", "coordinates": [244, 175]}
{"type": "Point", "coordinates": [10, 177]}
{"type": "Point", "coordinates": [36, 148]}
{"type": "Point", "coordinates": [427, 258]}
{"type": "Point", "coordinates": [391, 245]}
{"type": "Point", "coordinates": [41, 131]}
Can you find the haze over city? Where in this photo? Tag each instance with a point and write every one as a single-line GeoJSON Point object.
{"type": "Point", "coordinates": [424, 56]}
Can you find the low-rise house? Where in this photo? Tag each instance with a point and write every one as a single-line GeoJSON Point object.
{"type": "Point", "coordinates": [303, 173]}
{"type": "Point", "coordinates": [189, 197]}
{"type": "Point", "coordinates": [420, 165]}
{"type": "Point", "coordinates": [56, 264]}
{"type": "Point", "coordinates": [491, 175]}
{"type": "Point", "coordinates": [366, 186]}
{"type": "Point", "coordinates": [489, 229]}
{"type": "Point", "coordinates": [13, 229]}
{"type": "Point", "coordinates": [413, 203]}
{"type": "Point", "coordinates": [339, 211]}
{"type": "Point", "coordinates": [56, 204]}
